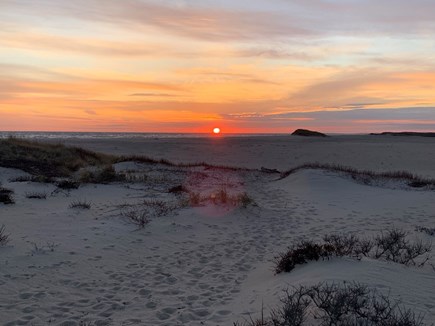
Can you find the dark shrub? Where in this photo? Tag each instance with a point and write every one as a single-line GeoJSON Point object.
{"type": "Point", "coordinates": [350, 304]}
{"type": "Point", "coordinates": [392, 245]}
{"type": "Point", "coordinates": [6, 196]}
{"type": "Point", "coordinates": [68, 184]}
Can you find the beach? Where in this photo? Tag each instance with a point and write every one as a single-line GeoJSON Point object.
{"type": "Point", "coordinates": [282, 152]}
{"type": "Point", "coordinates": [208, 251]}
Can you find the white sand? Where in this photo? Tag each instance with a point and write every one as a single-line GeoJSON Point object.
{"type": "Point", "coordinates": [210, 265]}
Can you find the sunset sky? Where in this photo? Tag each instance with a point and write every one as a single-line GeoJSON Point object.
{"type": "Point", "coordinates": [256, 66]}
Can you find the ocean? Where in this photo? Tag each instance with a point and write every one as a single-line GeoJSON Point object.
{"type": "Point", "coordinates": [114, 135]}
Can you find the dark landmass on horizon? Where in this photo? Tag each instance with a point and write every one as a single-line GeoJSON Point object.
{"type": "Point", "coordinates": [307, 133]}
{"type": "Point", "coordinates": [404, 133]}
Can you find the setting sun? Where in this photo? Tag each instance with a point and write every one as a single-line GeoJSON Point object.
{"type": "Point", "coordinates": [216, 130]}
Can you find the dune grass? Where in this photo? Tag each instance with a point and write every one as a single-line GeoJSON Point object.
{"type": "Point", "coordinates": [4, 238]}
{"type": "Point", "coordinates": [45, 161]}
{"type": "Point", "coordinates": [366, 176]}
{"type": "Point", "coordinates": [48, 160]}
{"type": "Point", "coordinates": [148, 160]}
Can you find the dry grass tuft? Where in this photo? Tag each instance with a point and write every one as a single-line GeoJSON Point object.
{"type": "Point", "coordinates": [4, 238]}
{"type": "Point", "coordinates": [81, 204]}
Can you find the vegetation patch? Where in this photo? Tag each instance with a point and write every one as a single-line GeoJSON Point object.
{"type": "Point", "coordinates": [392, 245]}
{"type": "Point", "coordinates": [366, 176]}
{"type": "Point", "coordinates": [337, 304]}
{"type": "Point", "coordinates": [148, 160]}
{"type": "Point", "coordinates": [36, 195]}
{"type": "Point", "coordinates": [105, 175]}
{"type": "Point", "coordinates": [48, 160]}
{"type": "Point", "coordinates": [220, 197]}
{"type": "Point", "coordinates": [68, 184]}
{"type": "Point", "coordinates": [4, 238]}
{"type": "Point", "coordinates": [136, 216]}
{"type": "Point", "coordinates": [6, 196]}
{"type": "Point", "coordinates": [423, 229]}
{"type": "Point", "coordinates": [81, 204]}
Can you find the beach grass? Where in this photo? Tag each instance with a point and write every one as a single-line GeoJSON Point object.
{"type": "Point", "coordinates": [47, 160]}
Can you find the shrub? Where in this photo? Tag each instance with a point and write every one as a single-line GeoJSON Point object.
{"type": "Point", "coordinates": [82, 204]}
{"type": "Point", "coordinates": [36, 195]}
{"type": "Point", "coordinates": [338, 304]}
{"type": "Point", "coordinates": [423, 229]}
{"type": "Point", "coordinates": [6, 196]}
{"type": "Point", "coordinates": [177, 189]}
{"type": "Point", "coordinates": [137, 217]}
{"type": "Point", "coordinates": [394, 246]}
{"type": "Point", "coordinates": [244, 200]}
{"type": "Point", "coordinates": [68, 184]}
{"type": "Point", "coordinates": [159, 207]}
{"type": "Point", "coordinates": [391, 245]}
{"type": "Point", "coordinates": [4, 238]}
{"type": "Point", "coordinates": [301, 253]}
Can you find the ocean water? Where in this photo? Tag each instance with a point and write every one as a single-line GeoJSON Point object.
{"type": "Point", "coordinates": [112, 135]}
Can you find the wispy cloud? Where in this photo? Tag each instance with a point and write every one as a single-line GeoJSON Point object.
{"type": "Point", "coordinates": [260, 65]}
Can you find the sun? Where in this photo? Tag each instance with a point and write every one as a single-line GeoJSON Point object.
{"type": "Point", "coordinates": [216, 130]}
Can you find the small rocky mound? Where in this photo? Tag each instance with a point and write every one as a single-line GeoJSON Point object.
{"type": "Point", "coordinates": [308, 133]}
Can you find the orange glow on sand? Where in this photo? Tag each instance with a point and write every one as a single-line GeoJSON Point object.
{"type": "Point", "coordinates": [216, 131]}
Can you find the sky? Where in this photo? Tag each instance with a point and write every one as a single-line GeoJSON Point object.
{"type": "Point", "coordinates": [246, 66]}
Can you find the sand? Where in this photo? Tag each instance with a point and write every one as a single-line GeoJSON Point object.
{"type": "Point", "coordinates": [210, 264]}
{"type": "Point", "coordinates": [377, 153]}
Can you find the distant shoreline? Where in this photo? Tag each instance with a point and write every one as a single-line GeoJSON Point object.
{"type": "Point", "coordinates": [405, 133]}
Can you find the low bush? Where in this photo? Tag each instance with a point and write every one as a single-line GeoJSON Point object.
{"type": "Point", "coordinates": [138, 217]}
{"type": "Point", "coordinates": [4, 238]}
{"type": "Point", "coordinates": [68, 184]}
{"type": "Point", "coordinates": [6, 196]}
{"type": "Point", "coordinates": [338, 304]}
{"type": "Point", "coordinates": [159, 207]}
{"type": "Point", "coordinates": [423, 229]}
{"type": "Point", "coordinates": [392, 245]}
{"type": "Point", "coordinates": [177, 189]}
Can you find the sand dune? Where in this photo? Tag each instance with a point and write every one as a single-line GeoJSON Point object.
{"type": "Point", "coordinates": [209, 263]}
